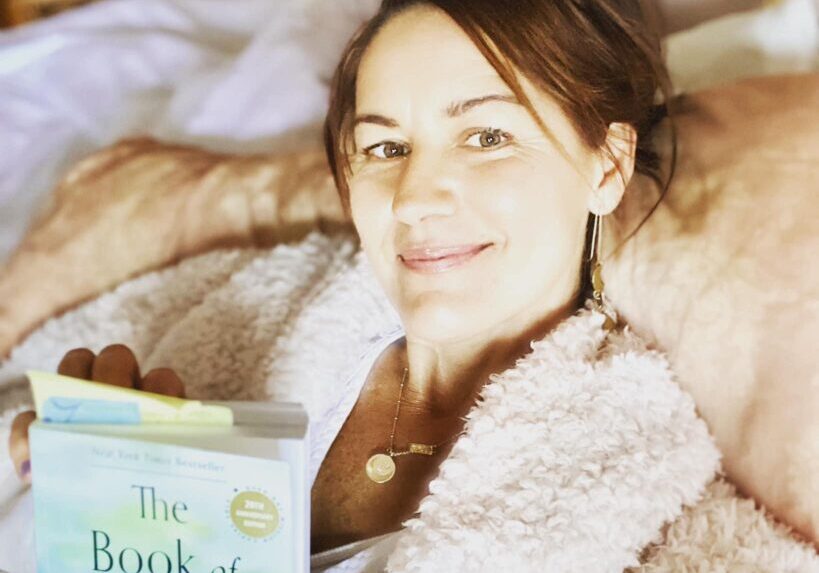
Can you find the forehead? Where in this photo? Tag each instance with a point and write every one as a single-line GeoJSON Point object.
{"type": "Point", "coordinates": [422, 51]}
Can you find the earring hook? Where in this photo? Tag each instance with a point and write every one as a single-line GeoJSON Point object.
{"type": "Point", "coordinates": [594, 247]}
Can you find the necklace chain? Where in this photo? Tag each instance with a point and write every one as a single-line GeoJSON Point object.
{"type": "Point", "coordinates": [425, 449]}
{"type": "Point", "coordinates": [380, 468]}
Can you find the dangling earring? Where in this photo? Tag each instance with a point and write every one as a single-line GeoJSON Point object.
{"type": "Point", "coordinates": [599, 300]}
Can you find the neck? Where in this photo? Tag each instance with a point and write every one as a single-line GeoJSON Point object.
{"type": "Point", "coordinates": [444, 379]}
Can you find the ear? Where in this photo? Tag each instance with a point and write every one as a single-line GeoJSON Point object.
{"type": "Point", "coordinates": [616, 166]}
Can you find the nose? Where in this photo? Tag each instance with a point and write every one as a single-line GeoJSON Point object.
{"type": "Point", "coordinates": [425, 190]}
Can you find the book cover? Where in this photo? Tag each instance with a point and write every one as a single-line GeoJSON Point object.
{"type": "Point", "coordinates": [170, 498]}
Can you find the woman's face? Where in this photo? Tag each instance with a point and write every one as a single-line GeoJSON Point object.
{"type": "Point", "coordinates": [472, 218]}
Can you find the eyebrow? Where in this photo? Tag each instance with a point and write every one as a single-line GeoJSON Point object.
{"type": "Point", "coordinates": [459, 108]}
{"type": "Point", "coordinates": [452, 110]}
{"type": "Point", "coordinates": [376, 119]}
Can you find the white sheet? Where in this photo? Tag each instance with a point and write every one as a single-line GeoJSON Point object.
{"type": "Point", "coordinates": [230, 74]}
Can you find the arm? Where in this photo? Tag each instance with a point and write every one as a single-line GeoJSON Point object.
{"type": "Point", "coordinates": [140, 205]}
{"type": "Point", "coordinates": [675, 15]}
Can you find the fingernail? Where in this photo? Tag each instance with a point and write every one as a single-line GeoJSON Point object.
{"type": "Point", "coordinates": [25, 468]}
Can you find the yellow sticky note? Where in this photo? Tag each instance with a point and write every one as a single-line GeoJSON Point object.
{"type": "Point", "coordinates": [64, 399]}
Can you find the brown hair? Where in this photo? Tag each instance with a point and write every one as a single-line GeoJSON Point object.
{"type": "Point", "coordinates": [599, 59]}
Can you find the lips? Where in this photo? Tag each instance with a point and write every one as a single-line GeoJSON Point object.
{"type": "Point", "coordinates": [437, 259]}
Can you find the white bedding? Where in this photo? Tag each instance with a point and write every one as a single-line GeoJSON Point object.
{"type": "Point", "coordinates": [244, 76]}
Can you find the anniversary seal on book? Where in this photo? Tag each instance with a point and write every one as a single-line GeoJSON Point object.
{"type": "Point", "coordinates": [134, 482]}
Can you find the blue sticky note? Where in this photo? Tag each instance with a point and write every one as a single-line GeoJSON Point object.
{"type": "Point", "coordinates": [65, 410]}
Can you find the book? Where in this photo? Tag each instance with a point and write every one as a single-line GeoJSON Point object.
{"type": "Point", "coordinates": [132, 482]}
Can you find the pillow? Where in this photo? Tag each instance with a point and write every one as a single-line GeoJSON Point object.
{"type": "Point", "coordinates": [142, 204]}
{"type": "Point", "coordinates": [723, 276]}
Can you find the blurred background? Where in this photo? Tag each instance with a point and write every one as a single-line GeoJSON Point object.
{"type": "Point", "coordinates": [16, 12]}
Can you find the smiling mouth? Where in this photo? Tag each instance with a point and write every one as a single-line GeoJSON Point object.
{"type": "Point", "coordinates": [432, 260]}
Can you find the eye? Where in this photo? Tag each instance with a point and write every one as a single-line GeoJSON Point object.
{"type": "Point", "coordinates": [488, 138]}
{"type": "Point", "coordinates": [387, 150]}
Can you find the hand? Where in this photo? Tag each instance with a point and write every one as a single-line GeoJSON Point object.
{"type": "Point", "coordinates": [115, 365]}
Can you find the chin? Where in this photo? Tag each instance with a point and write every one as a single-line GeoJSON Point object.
{"type": "Point", "coordinates": [437, 318]}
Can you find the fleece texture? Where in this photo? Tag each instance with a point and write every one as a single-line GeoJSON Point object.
{"type": "Point", "coordinates": [585, 456]}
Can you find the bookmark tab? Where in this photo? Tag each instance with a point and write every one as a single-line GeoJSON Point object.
{"type": "Point", "coordinates": [88, 411]}
{"type": "Point", "coordinates": [64, 399]}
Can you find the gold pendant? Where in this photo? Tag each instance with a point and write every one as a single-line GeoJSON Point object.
{"type": "Point", "coordinates": [380, 468]}
{"type": "Point", "coordinates": [422, 449]}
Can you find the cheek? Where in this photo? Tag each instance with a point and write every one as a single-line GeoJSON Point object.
{"type": "Point", "coordinates": [532, 196]}
{"type": "Point", "coordinates": [371, 208]}
{"type": "Point", "coordinates": [540, 208]}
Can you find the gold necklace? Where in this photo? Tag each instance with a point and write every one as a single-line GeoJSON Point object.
{"type": "Point", "coordinates": [381, 467]}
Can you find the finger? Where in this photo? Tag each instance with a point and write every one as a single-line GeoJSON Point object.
{"type": "Point", "coordinates": [18, 444]}
{"type": "Point", "coordinates": [77, 363]}
{"type": "Point", "coordinates": [163, 381]}
{"type": "Point", "coordinates": [116, 365]}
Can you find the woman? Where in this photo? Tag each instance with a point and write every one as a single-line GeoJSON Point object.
{"type": "Point", "coordinates": [478, 151]}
